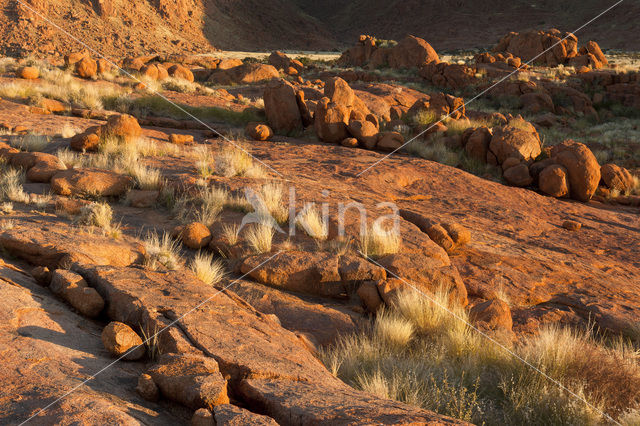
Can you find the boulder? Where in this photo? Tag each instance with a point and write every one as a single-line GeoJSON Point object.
{"type": "Point", "coordinates": [349, 142]}
{"type": "Point", "coordinates": [582, 167]}
{"type": "Point", "coordinates": [338, 91]}
{"type": "Point", "coordinates": [74, 57]}
{"type": "Point", "coordinates": [571, 225]}
{"type": "Point", "coordinates": [203, 417]}
{"type": "Point", "coordinates": [281, 61]}
{"type": "Point", "coordinates": [45, 168]}
{"type": "Point", "coordinates": [147, 388]}
{"type": "Point", "coordinates": [227, 414]}
{"type": "Point", "coordinates": [88, 141]}
{"type": "Point", "coordinates": [244, 74]}
{"type": "Point", "coordinates": [120, 339]}
{"type": "Point", "coordinates": [368, 293]}
{"type": "Point", "coordinates": [310, 273]}
{"type": "Point", "coordinates": [411, 52]}
{"type": "Point", "coordinates": [258, 131]}
{"type": "Point", "coordinates": [104, 66]}
{"type": "Point", "coordinates": [181, 72]}
{"type": "Point", "coordinates": [458, 234]}
{"type": "Point", "coordinates": [74, 289]}
{"type": "Point", "coordinates": [331, 121]}
{"type": "Point", "coordinates": [92, 182]}
{"type": "Point", "coordinates": [616, 177]}
{"type": "Point", "coordinates": [390, 141]}
{"type": "Point", "coordinates": [52, 105]}
{"type": "Point", "coordinates": [54, 246]}
{"type": "Point", "coordinates": [123, 126]}
{"type": "Point", "coordinates": [28, 73]}
{"type": "Point", "coordinates": [478, 143]}
{"type": "Point", "coordinates": [195, 235]}
{"type": "Point", "coordinates": [518, 175]}
{"type": "Point", "coordinates": [440, 236]}
{"type": "Point", "coordinates": [554, 181]}
{"type": "Point", "coordinates": [535, 102]}
{"type": "Point", "coordinates": [86, 68]}
{"type": "Point", "coordinates": [150, 71]}
{"type": "Point", "coordinates": [493, 315]}
{"type": "Point", "coordinates": [365, 132]}
{"type": "Point", "coordinates": [508, 141]}
{"type": "Point", "coordinates": [281, 107]}
{"type": "Point", "coordinates": [180, 139]}
{"type": "Point", "coordinates": [191, 380]}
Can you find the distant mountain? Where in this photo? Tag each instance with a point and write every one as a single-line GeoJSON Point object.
{"type": "Point", "coordinates": [471, 23]}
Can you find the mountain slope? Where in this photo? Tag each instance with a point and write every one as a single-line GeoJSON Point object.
{"type": "Point", "coordinates": [124, 27]}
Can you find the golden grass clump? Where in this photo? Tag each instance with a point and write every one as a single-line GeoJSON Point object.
{"type": "Point", "coordinates": [377, 241]}
{"type": "Point", "coordinates": [260, 237]}
{"type": "Point", "coordinates": [161, 251]}
{"type": "Point", "coordinates": [311, 221]}
{"type": "Point", "coordinates": [207, 270]}
{"type": "Point", "coordinates": [423, 351]}
{"type": "Point", "coordinates": [100, 215]}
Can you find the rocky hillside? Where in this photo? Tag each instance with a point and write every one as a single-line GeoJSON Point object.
{"type": "Point", "coordinates": [198, 25]}
{"type": "Point", "coordinates": [115, 28]}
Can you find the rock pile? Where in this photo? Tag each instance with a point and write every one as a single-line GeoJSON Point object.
{"type": "Point", "coordinates": [563, 49]}
{"type": "Point", "coordinates": [282, 62]}
{"type": "Point", "coordinates": [410, 52]}
{"type": "Point", "coordinates": [123, 127]}
{"type": "Point", "coordinates": [243, 74]}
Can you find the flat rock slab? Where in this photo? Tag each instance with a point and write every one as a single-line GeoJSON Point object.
{"type": "Point", "coordinates": [54, 246]}
{"type": "Point", "coordinates": [319, 318]}
{"type": "Point", "coordinates": [47, 351]}
{"type": "Point", "coordinates": [266, 364]}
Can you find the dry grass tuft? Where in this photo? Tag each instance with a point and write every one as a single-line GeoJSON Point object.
{"type": "Point", "coordinates": [100, 215]}
{"type": "Point", "coordinates": [161, 251]}
{"type": "Point", "coordinates": [31, 143]}
{"type": "Point", "coordinates": [311, 221]}
{"type": "Point", "coordinates": [392, 330]}
{"type": "Point", "coordinates": [260, 238]}
{"type": "Point", "coordinates": [419, 353]}
{"type": "Point", "coordinates": [207, 270]}
{"type": "Point", "coordinates": [231, 234]}
{"type": "Point", "coordinates": [376, 242]}
{"type": "Point", "coordinates": [271, 194]}
{"type": "Point", "coordinates": [11, 189]}
{"type": "Point", "coordinates": [146, 178]}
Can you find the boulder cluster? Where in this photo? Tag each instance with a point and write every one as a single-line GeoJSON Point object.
{"type": "Point", "coordinates": [85, 66]}
{"type": "Point", "coordinates": [121, 126]}
{"type": "Point", "coordinates": [410, 52]}
{"type": "Point", "coordinates": [341, 116]}
{"type": "Point", "coordinates": [562, 49]}
{"type": "Point", "coordinates": [568, 169]}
